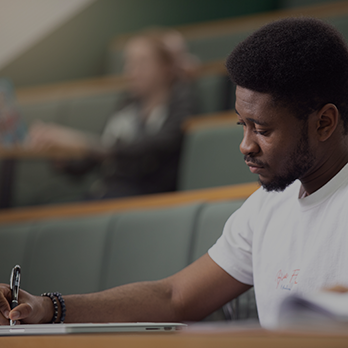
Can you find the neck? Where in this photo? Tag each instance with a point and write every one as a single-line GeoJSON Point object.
{"type": "Point", "coordinates": [324, 172]}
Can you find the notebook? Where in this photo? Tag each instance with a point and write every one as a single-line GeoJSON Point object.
{"type": "Point", "coordinates": [57, 329]}
{"type": "Point", "coordinates": [319, 311]}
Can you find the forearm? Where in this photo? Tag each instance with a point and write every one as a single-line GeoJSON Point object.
{"type": "Point", "coordinates": [137, 302]}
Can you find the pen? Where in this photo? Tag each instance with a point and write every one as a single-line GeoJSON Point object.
{"type": "Point", "coordinates": [15, 281]}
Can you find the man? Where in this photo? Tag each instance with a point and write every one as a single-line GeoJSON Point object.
{"type": "Point", "coordinates": [290, 236]}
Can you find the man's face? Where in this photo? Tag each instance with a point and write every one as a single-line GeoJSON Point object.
{"type": "Point", "coordinates": [275, 144]}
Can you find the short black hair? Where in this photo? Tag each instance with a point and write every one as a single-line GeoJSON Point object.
{"type": "Point", "coordinates": [301, 62]}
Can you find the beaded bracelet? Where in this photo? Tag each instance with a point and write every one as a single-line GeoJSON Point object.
{"type": "Point", "coordinates": [53, 296]}
{"type": "Point", "coordinates": [62, 306]}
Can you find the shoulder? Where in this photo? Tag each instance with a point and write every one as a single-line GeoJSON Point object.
{"type": "Point", "coordinates": [262, 202]}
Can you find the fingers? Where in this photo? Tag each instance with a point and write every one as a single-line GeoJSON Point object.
{"type": "Point", "coordinates": [5, 295]}
{"type": "Point", "coordinates": [21, 312]}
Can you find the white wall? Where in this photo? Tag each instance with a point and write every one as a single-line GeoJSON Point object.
{"type": "Point", "coordinates": [24, 22]}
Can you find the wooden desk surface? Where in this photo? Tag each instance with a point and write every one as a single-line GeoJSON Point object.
{"type": "Point", "coordinates": [241, 191]}
{"type": "Point", "coordinates": [244, 339]}
{"type": "Point", "coordinates": [54, 153]}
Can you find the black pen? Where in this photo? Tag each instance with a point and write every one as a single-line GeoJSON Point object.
{"type": "Point", "coordinates": [14, 286]}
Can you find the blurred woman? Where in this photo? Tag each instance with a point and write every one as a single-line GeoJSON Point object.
{"type": "Point", "coordinates": [139, 148]}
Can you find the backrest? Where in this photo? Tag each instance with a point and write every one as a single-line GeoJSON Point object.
{"type": "Point", "coordinates": [47, 111]}
{"type": "Point", "coordinates": [211, 157]}
{"type": "Point", "coordinates": [37, 182]}
{"type": "Point", "coordinates": [210, 223]}
{"type": "Point", "coordinates": [341, 24]}
{"type": "Point", "coordinates": [66, 255]}
{"type": "Point", "coordinates": [209, 227]}
{"type": "Point", "coordinates": [215, 47]}
{"type": "Point", "coordinates": [299, 3]}
{"type": "Point", "coordinates": [149, 245]}
{"type": "Point", "coordinates": [90, 113]}
{"type": "Point", "coordinates": [14, 240]}
{"type": "Point", "coordinates": [213, 93]}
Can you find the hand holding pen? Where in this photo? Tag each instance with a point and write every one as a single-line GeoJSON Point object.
{"type": "Point", "coordinates": [15, 281]}
{"type": "Point", "coordinates": [29, 310]}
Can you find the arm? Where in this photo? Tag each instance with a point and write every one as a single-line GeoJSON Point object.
{"type": "Point", "coordinates": [191, 294]}
{"type": "Point", "coordinates": [49, 135]}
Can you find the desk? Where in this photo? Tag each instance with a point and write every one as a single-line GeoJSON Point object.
{"type": "Point", "coordinates": [257, 339]}
{"type": "Point", "coordinates": [216, 194]}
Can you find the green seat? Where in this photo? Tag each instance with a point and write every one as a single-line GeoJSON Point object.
{"type": "Point", "coordinates": [89, 113]}
{"type": "Point", "coordinates": [212, 93]}
{"type": "Point", "coordinates": [67, 255]}
{"type": "Point", "coordinates": [210, 224]}
{"type": "Point", "coordinates": [48, 111]}
{"type": "Point", "coordinates": [149, 245]}
{"type": "Point", "coordinates": [341, 23]}
{"type": "Point", "coordinates": [211, 221]}
{"type": "Point", "coordinates": [14, 241]}
{"type": "Point", "coordinates": [215, 47]}
{"type": "Point", "coordinates": [211, 157]}
{"type": "Point", "coordinates": [114, 61]}
{"type": "Point", "coordinates": [283, 4]}
{"type": "Point", "coordinates": [37, 183]}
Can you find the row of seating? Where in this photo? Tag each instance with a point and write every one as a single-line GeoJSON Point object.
{"type": "Point", "coordinates": [81, 255]}
{"type": "Point", "coordinates": [214, 40]}
{"type": "Point", "coordinates": [211, 42]}
{"type": "Point", "coordinates": [210, 158]}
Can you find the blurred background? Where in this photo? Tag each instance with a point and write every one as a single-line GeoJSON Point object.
{"type": "Point", "coordinates": [65, 60]}
{"type": "Point", "coordinates": [45, 41]}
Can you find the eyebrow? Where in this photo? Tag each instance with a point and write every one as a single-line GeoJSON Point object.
{"type": "Point", "coordinates": [260, 123]}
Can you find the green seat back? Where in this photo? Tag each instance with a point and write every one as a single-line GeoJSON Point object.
{"type": "Point", "coordinates": [14, 240]}
{"type": "Point", "coordinates": [212, 93]}
{"type": "Point", "coordinates": [89, 113]}
{"type": "Point", "coordinates": [341, 23]}
{"type": "Point", "coordinates": [48, 111]}
{"type": "Point", "coordinates": [67, 255]}
{"type": "Point", "coordinates": [149, 245]}
{"type": "Point", "coordinates": [215, 47]}
{"type": "Point", "coordinates": [210, 224]}
{"type": "Point", "coordinates": [299, 3]}
{"type": "Point", "coordinates": [211, 221]}
{"type": "Point", "coordinates": [211, 157]}
{"type": "Point", "coordinates": [36, 182]}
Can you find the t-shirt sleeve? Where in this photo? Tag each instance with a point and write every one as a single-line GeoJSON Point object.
{"type": "Point", "coordinates": [233, 250]}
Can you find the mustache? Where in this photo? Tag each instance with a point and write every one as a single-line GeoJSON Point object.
{"type": "Point", "coordinates": [250, 159]}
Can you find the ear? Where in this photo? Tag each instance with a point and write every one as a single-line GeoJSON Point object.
{"type": "Point", "coordinates": [327, 121]}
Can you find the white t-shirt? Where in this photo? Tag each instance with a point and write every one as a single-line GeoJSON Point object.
{"type": "Point", "coordinates": [283, 244]}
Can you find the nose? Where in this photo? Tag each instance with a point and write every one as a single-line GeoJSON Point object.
{"type": "Point", "coordinates": [249, 145]}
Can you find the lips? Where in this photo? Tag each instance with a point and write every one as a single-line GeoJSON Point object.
{"type": "Point", "coordinates": [254, 168]}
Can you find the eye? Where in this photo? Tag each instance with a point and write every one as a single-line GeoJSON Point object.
{"type": "Point", "coordinates": [260, 132]}
{"type": "Point", "coordinates": [240, 123]}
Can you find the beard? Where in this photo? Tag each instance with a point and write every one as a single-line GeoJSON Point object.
{"type": "Point", "coordinates": [299, 162]}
